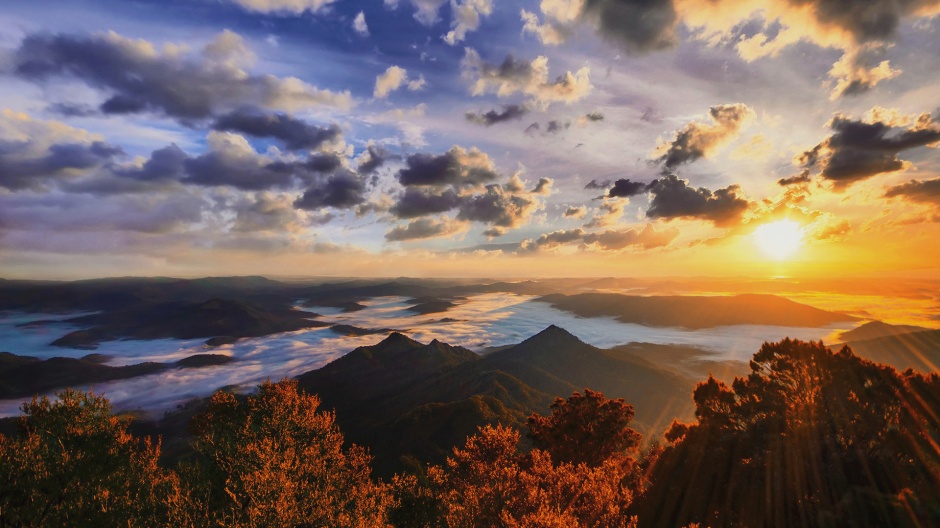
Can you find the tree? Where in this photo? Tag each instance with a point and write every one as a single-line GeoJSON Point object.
{"type": "Point", "coordinates": [809, 438]}
{"type": "Point", "coordinates": [270, 459]}
{"type": "Point", "coordinates": [586, 429]}
{"type": "Point", "coordinates": [74, 464]}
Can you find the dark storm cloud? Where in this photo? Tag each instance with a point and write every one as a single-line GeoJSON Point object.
{"type": "Point", "coordinates": [455, 167]}
{"type": "Point", "coordinates": [375, 159]}
{"type": "Point", "coordinates": [139, 78]}
{"type": "Point", "coordinates": [294, 133]}
{"type": "Point", "coordinates": [594, 184]}
{"type": "Point", "coordinates": [636, 25]}
{"type": "Point", "coordinates": [167, 163]}
{"type": "Point", "coordinates": [492, 117]}
{"type": "Point", "coordinates": [697, 140]}
{"type": "Point", "coordinates": [415, 202]}
{"type": "Point", "coordinates": [340, 191]}
{"type": "Point", "coordinates": [673, 198]}
{"type": "Point", "coordinates": [323, 163]}
{"type": "Point", "coordinates": [859, 150]}
{"type": "Point", "coordinates": [802, 177]}
{"type": "Point", "coordinates": [624, 188]}
{"type": "Point", "coordinates": [496, 208]}
{"type": "Point", "coordinates": [219, 168]}
{"type": "Point", "coordinates": [21, 168]}
{"type": "Point", "coordinates": [866, 20]}
{"type": "Point", "coordinates": [924, 191]}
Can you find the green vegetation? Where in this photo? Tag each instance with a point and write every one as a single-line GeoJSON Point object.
{"type": "Point", "coordinates": [810, 437]}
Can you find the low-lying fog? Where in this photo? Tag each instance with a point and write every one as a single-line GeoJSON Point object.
{"type": "Point", "coordinates": [478, 322]}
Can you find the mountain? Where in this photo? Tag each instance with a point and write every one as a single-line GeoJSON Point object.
{"type": "Point", "coordinates": [24, 376]}
{"type": "Point", "coordinates": [410, 401]}
{"type": "Point", "coordinates": [875, 329]}
{"type": "Point", "coordinates": [215, 317]}
{"type": "Point", "coordinates": [696, 312]}
{"type": "Point", "coordinates": [916, 350]}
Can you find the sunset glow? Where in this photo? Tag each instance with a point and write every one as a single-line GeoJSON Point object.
{"type": "Point", "coordinates": [779, 240]}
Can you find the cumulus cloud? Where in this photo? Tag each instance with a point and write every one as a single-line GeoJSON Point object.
{"type": "Point", "coordinates": [922, 191]}
{"type": "Point", "coordinates": [394, 78]}
{"type": "Point", "coordinates": [624, 188]}
{"type": "Point", "coordinates": [492, 117]}
{"type": "Point", "coordinates": [231, 161]}
{"type": "Point", "coordinates": [497, 208]}
{"type": "Point", "coordinates": [466, 18]}
{"type": "Point", "coordinates": [295, 134]}
{"type": "Point", "coordinates": [575, 212]}
{"type": "Point", "coordinates": [557, 24]}
{"type": "Point", "coordinates": [674, 198]}
{"type": "Point", "coordinates": [137, 77]}
{"type": "Point", "coordinates": [417, 202]}
{"type": "Point", "coordinates": [35, 152]}
{"type": "Point", "coordinates": [458, 166]}
{"type": "Point", "coordinates": [607, 213]}
{"type": "Point", "coordinates": [610, 240]}
{"type": "Point", "coordinates": [268, 212]}
{"type": "Point", "coordinates": [373, 158]}
{"type": "Point", "coordinates": [636, 25]}
{"type": "Point", "coordinates": [359, 25]}
{"type": "Point", "coordinates": [854, 73]}
{"type": "Point", "coordinates": [543, 187]}
{"type": "Point", "coordinates": [283, 7]}
{"type": "Point", "coordinates": [530, 78]}
{"type": "Point", "coordinates": [426, 11]}
{"type": "Point", "coordinates": [697, 140]}
{"type": "Point", "coordinates": [594, 184]}
{"type": "Point", "coordinates": [860, 149]}
{"type": "Point", "coordinates": [341, 190]}
{"type": "Point", "coordinates": [424, 228]}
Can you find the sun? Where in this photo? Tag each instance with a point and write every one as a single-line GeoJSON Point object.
{"type": "Point", "coordinates": [779, 240]}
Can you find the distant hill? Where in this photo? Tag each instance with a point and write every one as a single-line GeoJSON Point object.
{"type": "Point", "coordinates": [916, 350]}
{"type": "Point", "coordinates": [696, 312]}
{"type": "Point", "coordinates": [874, 329]}
{"type": "Point", "coordinates": [24, 376]}
{"type": "Point", "coordinates": [215, 317]}
{"type": "Point", "coordinates": [407, 400]}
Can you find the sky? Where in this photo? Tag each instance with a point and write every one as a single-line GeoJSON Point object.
{"type": "Point", "coordinates": [470, 138]}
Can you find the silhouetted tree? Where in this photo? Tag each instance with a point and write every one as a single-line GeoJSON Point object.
{"type": "Point", "coordinates": [586, 429]}
{"type": "Point", "coordinates": [270, 459]}
{"type": "Point", "coordinates": [74, 464]}
{"type": "Point", "coordinates": [808, 438]}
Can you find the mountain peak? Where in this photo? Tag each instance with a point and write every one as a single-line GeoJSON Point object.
{"type": "Point", "coordinates": [397, 341]}
{"type": "Point", "coordinates": [555, 335]}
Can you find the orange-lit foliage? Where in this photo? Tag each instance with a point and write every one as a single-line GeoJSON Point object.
{"type": "Point", "coordinates": [271, 459]}
{"type": "Point", "coordinates": [809, 438]}
{"type": "Point", "coordinates": [586, 429]}
{"type": "Point", "coordinates": [74, 464]}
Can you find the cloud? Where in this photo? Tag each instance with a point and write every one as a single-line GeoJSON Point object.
{"type": "Point", "coordinates": [854, 74]}
{"type": "Point", "coordinates": [798, 179]}
{"type": "Point", "coordinates": [492, 117]}
{"type": "Point", "coordinates": [283, 7]}
{"type": "Point", "coordinates": [359, 25]}
{"type": "Point", "coordinates": [423, 228]}
{"type": "Point", "coordinates": [860, 149]}
{"type": "Point", "coordinates": [269, 212]}
{"type": "Point", "coordinates": [624, 188]}
{"type": "Point", "coordinates": [417, 202]}
{"type": "Point", "coordinates": [647, 238]}
{"type": "Point", "coordinates": [231, 161]}
{"type": "Point", "coordinates": [543, 187]}
{"type": "Point", "coordinates": [697, 140]}
{"type": "Point", "coordinates": [394, 78]}
{"type": "Point", "coordinates": [341, 190]}
{"type": "Point", "coordinates": [608, 213]}
{"type": "Point", "coordinates": [637, 26]}
{"type": "Point", "coordinates": [497, 208]}
{"type": "Point", "coordinates": [575, 212]}
{"type": "Point", "coordinates": [373, 158]}
{"type": "Point", "coordinates": [594, 184]}
{"type": "Point", "coordinates": [673, 198]}
{"type": "Point", "coordinates": [923, 191]}
{"type": "Point", "coordinates": [173, 82]}
{"type": "Point", "coordinates": [530, 78]}
{"type": "Point", "coordinates": [458, 166]}
{"type": "Point", "coordinates": [34, 152]}
{"type": "Point", "coordinates": [611, 240]}
{"type": "Point", "coordinates": [426, 11]}
{"type": "Point", "coordinates": [559, 16]}
{"type": "Point", "coordinates": [294, 133]}
{"type": "Point", "coordinates": [554, 126]}
{"type": "Point", "coordinates": [466, 18]}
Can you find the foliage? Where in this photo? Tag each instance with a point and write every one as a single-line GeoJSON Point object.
{"type": "Point", "coordinates": [74, 464]}
{"type": "Point", "coordinates": [809, 438]}
{"type": "Point", "coordinates": [272, 460]}
{"type": "Point", "coordinates": [586, 429]}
